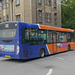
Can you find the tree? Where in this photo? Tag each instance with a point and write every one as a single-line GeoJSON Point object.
{"type": "Point", "coordinates": [68, 14]}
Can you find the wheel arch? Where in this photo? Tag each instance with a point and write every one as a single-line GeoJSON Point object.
{"type": "Point", "coordinates": [43, 49]}
{"type": "Point", "coordinates": [69, 46]}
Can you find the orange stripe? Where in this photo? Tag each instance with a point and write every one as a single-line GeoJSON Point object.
{"type": "Point", "coordinates": [55, 28]}
{"type": "Point", "coordinates": [62, 49]}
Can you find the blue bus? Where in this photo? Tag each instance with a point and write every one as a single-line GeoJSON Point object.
{"type": "Point", "coordinates": [19, 40]}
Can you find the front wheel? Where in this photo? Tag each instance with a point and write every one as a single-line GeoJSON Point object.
{"type": "Point", "coordinates": [42, 53]}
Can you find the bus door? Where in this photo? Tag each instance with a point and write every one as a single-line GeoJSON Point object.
{"type": "Point", "coordinates": [54, 42]}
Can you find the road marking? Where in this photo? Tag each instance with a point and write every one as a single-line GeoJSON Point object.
{"type": "Point", "coordinates": [59, 58]}
{"type": "Point", "coordinates": [50, 72]}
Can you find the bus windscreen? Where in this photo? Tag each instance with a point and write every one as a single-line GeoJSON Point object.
{"type": "Point", "coordinates": [8, 30]}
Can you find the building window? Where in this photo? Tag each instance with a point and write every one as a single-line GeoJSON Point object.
{"type": "Point", "coordinates": [0, 6]}
{"type": "Point", "coordinates": [40, 1]}
{"type": "Point", "coordinates": [48, 2]}
{"type": "Point", "coordinates": [7, 3]}
{"type": "Point", "coordinates": [48, 17]}
{"type": "Point", "coordinates": [55, 18]}
{"type": "Point", "coordinates": [4, 18]}
{"type": "Point", "coordinates": [45, 2]}
{"type": "Point", "coordinates": [4, 4]}
{"type": "Point", "coordinates": [17, 2]}
{"type": "Point", "coordinates": [55, 3]}
{"type": "Point", "coordinates": [18, 18]}
{"type": "Point", "coordinates": [0, 20]}
{"type": "Point", "coordinates": [40, 16]}
{"type": "Point", "coordinates": [7, 18]}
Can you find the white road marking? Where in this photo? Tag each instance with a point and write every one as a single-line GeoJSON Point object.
{"type": "Point", "coordinates": [59, 58]}
{"type": "Point", "coordinates": [50, 72]}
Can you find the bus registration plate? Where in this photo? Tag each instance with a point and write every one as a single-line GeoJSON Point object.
{"type": "Point", "coordinates": [7, 56]}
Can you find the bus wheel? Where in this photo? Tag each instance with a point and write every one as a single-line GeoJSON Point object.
{"type": "Point", "coordinates": [42, 53]}
{"type": "Point", "coordinates": [69, 48]}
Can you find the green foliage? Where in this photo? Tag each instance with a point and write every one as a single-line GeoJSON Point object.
{"type": "Point", "coordinates": [68, 14]}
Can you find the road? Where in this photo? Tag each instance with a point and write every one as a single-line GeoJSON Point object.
{"type": "Point", "coordinates": [58, 64]}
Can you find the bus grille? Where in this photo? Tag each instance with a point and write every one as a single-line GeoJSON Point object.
{"type": "Point", "coordinates": [7, 41]}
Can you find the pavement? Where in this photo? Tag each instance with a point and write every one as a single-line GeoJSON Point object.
{"type": "Point", "coordinates": [57, 64]}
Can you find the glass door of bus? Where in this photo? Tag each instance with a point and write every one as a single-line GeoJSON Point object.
{"type": "Point", "coordinates": [54, 42]}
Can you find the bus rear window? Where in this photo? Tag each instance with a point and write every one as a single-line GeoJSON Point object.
{"type": "Point", "coordinates": [8, 30]}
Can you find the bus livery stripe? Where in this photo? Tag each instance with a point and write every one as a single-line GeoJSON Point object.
{"type": "Point", "coordinates": [49, 47]}
{"type": "Point", "coordinates": [38, 26]}
{"type": "Point", "coordinates": [55, 28]}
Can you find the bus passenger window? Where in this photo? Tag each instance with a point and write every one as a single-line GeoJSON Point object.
{"type": "Point", "coordinates": [27, 33]}
{"type": "Point", "coordinates": [68, 37]}
{"type": "Point", "coordinates": [41, 34]}
{"type": "Point", "coordinates": [34, 36]}
{"type": "Point", "coordinates": [54, 38]}
{"type": "Point", "coordinates": [65, 37]}
{"type": "Point", "coordinates": [61, 37]}
{"type": "Point", "coordinates": [72, 37]}
{"type": "Point", "coordinates": [49, 37]}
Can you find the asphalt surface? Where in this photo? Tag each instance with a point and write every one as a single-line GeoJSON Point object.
{"type": "Point", "coordinates": [58, 64]}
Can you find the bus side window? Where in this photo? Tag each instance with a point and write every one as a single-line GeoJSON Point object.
{"type": "Point", "coordinates": [54, 37]}
{"type": "Point", "coordinates": [41, 34]}
{"type": "Point", "coordinates": [61, 37]}
{"type": "Point", "coordinates": [33, 35]}
{"type": "Point", "coordinates": [27, 30]}
{"type": "Point", "coordinates": [68, 37]}
{"type": "Point", "coordinates": [64, 37]}
{"type": "Point", "coordinates": [72, 37]}
{"type": "Point", "coordinates": [49, 37]}
{"type": "Point", "coordinates": [58, 37]}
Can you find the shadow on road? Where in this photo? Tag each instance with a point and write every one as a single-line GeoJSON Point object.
{"type": "Point", "coordinates": [19, 60]}
{"type": "Point", "coordinates": [28, 60]}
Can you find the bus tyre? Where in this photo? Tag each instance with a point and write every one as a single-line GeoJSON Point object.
{"type": "Point", "coordinates": [69, 48]}
{"type": "Point", "coordinates": [42, 53]}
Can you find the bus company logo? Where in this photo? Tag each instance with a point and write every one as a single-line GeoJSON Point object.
{"type": "Point", "coordinates": [58, 45]}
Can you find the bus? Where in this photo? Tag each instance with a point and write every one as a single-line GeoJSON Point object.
{"type": "Point", "coordinates": [19, 40]}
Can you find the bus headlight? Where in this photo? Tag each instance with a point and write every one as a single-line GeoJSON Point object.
{"type": "Point", "coordinates": [17, 52]}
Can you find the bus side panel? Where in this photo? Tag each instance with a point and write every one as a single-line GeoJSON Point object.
{"type": "Point", "coordinates": [35, 50]}
{"type": "Point", "coordinates": [62, 47]}
{"type": "Point", "coordinates": [72, 45]}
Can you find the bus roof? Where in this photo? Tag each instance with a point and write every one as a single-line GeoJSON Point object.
{"type": "Point", "coordinates": [42, 26]}
{"type": "Point", "coordinates": [9, 22]}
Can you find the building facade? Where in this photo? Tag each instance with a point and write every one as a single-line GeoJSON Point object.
{"type": "Point", "coordinates": [45, 12]}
